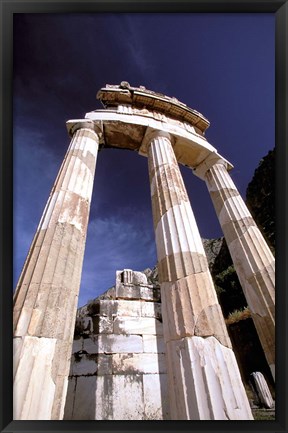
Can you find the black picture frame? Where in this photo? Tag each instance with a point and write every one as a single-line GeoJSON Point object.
{"type": "Point", "coordinates": [8, 8]}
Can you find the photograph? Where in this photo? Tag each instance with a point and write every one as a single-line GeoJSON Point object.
{"type": "Point", "coordinates": [144, 208]}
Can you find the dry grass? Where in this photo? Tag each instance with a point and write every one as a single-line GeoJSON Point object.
{"type": "Point", "coordinates": [238, 315]}
{"type": "Point", "coordinates": [263, 415]}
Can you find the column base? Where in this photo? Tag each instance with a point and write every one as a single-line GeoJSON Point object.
{"type": "Point", "coordinates": [34, 383]}
{"type": "Point", "coordinates": [206, 381]}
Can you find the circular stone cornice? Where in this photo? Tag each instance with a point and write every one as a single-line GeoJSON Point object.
{"type": "Point", "coordinates": [140, 97]}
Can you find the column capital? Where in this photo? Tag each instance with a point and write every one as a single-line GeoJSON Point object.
{"type": "Point", "coordinates": [75, 124]}
{"type": "Point", "coordinates": [212, 159]}
{"type": "Point", "coordinates": [150, 135]}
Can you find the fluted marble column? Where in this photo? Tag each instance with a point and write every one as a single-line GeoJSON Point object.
{"type": "Point", "coordinates": [204, 378]}
{"type": "Point", "coordinates": [46, 296]}
{"type": "Point", "coordinates": [252, 258]}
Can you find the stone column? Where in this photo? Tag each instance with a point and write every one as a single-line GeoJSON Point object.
{"type": "Point", "coordinates": [252, 258]}
{"type": "Point", "coordinates": [204, 378]}
{"type": "Point", "coordinates": [46, 296]}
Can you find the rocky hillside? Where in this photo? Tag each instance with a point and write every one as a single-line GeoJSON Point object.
{"type": "Point", "coordinates": [212, 249]}
{"type": "Point", "coordinates": [260, 197]}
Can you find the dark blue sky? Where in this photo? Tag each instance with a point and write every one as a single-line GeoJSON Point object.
{"type": "Point", "coordinates": [219, 64]}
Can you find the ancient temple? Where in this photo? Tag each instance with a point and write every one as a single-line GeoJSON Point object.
{"type": "Point", "coordinates": [203, 379]}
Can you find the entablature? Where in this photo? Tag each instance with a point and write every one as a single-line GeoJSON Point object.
{"type": "Point", "coordinates": [140, 97]}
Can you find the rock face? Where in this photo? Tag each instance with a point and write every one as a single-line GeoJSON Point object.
{"type": "Point", "coordinates": [212, 249]}
{"type": "Point", "coordinates": [260, 197]}
{"type": "Point", "coordinates": [118, 368]}
{"type": "Point", "coordinates": [228, 287]}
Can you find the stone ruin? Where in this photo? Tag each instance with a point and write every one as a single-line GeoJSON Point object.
{"type": "Point", "coordinates": [203, 377]}
{"type": "Point", "coordinates": [118, 367]}
{"type": "Point", "coordinates": [261, 390]}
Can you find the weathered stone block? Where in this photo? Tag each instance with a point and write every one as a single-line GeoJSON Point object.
{"type": "Point", "coordinates": [102, 307]}
{"type": "Point", "coordinates": [153, 344]}
{"type": "Point", "coordinates": [119, 398]}
{"type": "Point", "coordinates": [127, 292]}
{"type": "Point", "coordinates": [140, 326]}
{"type": "Point", "coordinates": [156, 404]}
{"type": "Point", "coordinates": [149, 294]}
{"type": "Point", "coordinates": [114, 344]}
{"type": "Point", "coordinates": [127, 308]}
{"type": "Point", "coordinates": [104, 364]}
{"type": "Point", "coordinates": [151, 309]}
{"type": "Point", "coordinates": [82, 365]}
{"type": "Point", "coordinates": [138, 363]}
{"type": "Point", "coordinates": [127, 276]}
{"type": "Point", "coordinates": [85, 364]}
{"type": "Point", "coordinates": [102, 325]}
{"type": "Point", "coordinates": [84, 405]}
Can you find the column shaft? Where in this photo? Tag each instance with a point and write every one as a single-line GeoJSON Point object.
{"type": "Point", "coordinates": [46, 296]}
{"type": "Point", "coordinates": [204, 378]}
{"type": "Point", "coordinates": [252, 258]}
